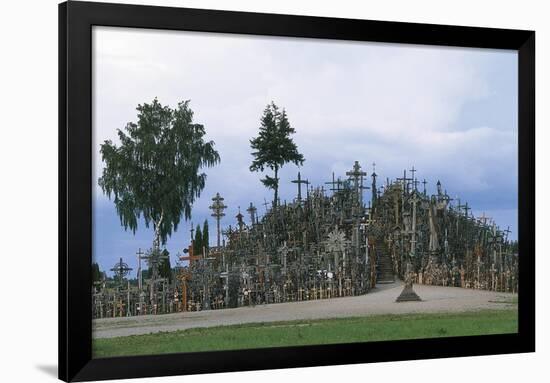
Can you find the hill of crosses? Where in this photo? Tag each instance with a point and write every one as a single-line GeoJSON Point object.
{"type": "Point", "coordinates": [331, 241]}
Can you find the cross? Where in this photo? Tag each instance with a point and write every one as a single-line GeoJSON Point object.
{"type": "Point", "coordinates": [424, 183]}
{"type": "Point", "coordinates": [300, 181]}
{"type": "Point", "coordinates": [252, 211]}
{"type": "Point", "coordinates": [466, 208]}
{"type": "Point", "coordinates": [120, 270]}
{"type": "Point", "coordinates": [227, 232]}
{"type": "Point", "coordinates": [446, 197]}
{"type": "Point", "coordinates": [373, 185]}
{"type": "Point", "coordinates": [218, 207]}
{"type": "Point", "coordinates": [357, 175]}
{"type": "Point", "coordinates": [266, 204]}
{"type": "Point", "coordinates": [459, 206]}
{"type": "Point", "coordinates": [335, 184]}
{"type": "Point", "coordinates": [240, 221]}
{"type": "Point", "coordinates": [506, 232]}
{"type": "Point", "coordinates": [140, 255]}
{"type": "Point", "coordinates": [413, 170]}
{"type": "Point", "coordinates": [404, 181]}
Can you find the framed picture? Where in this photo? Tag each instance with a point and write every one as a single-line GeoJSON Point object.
{"type": "Point", "coordinates": [327, 191]}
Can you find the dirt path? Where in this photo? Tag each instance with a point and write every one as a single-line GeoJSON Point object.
{"type": "Point", "coordinates": [379, 301]}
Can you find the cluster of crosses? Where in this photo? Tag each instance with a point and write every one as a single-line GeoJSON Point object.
{"type": "Point", "coordinates": [326, 243]}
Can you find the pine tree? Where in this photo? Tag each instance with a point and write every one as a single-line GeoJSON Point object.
{"type": "Point", "coordinates": [197, 243]}
{"type": "Point", "coordinates": [96, 273]}
{"type": "Point", "coordinates": [274, 147]}
{"type": "Point", "coordinates": [205, 235]}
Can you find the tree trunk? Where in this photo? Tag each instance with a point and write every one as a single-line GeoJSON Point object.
{"type": "Point", "coordinates": [276, 187]}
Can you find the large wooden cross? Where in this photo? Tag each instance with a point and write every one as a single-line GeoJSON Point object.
{"type": "Point", "coordinates": [356, 174]}
{"type": "Point", "coordinates": [300, 181]}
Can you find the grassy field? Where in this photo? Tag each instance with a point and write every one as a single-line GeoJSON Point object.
{"type": "Point", "coordinates": [295, 333]}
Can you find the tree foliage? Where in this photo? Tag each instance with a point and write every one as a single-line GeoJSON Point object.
{"type": "Point", "coordinates": [155, 172]}
{"type": "Point", "coordinates": [274, 147]}
{"type": "Point", "coordinates": [96, 273]}
{"type": "Point", "coordinates": [197, 243]}
{"type": "Point", "coordinates": [205, 235]}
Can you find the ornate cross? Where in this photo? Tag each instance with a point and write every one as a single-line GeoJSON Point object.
{"type": "Point", "coordinates": [120, 270]}
{"type": "Point", "coordinates": [357, 175]}
{"type": "Point", "coordinates": [218, 207]}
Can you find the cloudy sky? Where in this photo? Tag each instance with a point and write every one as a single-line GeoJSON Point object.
{"type": "Point", "coordinates": [449, 112]}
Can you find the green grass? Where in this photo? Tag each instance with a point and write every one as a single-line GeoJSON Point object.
{"type": "Point", "coordinates": [296, 333]}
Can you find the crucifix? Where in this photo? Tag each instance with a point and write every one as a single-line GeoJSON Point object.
{"type": "Point", "coordinates": [424, 183]}
{"type": "Point", "coordinates": [217, 208]}
{"type": "Point", "coordinates": [356, 174]}
{"type": "Point", "coordinates": [300, 181]}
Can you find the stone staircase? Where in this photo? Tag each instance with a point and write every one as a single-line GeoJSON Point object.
{"type": "Point", "coordinates": [384, 269]}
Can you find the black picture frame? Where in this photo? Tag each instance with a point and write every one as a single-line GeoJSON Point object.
{"type": "Point", "coordinates": [75, 189]}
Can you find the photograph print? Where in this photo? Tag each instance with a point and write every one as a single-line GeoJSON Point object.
{"type": "Point", "coordinates": [258, 192]}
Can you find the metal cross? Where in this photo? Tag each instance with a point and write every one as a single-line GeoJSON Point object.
{"type": "Point", "coordinates": [120, 270]}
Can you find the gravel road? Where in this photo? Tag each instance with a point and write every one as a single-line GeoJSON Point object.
{"type": "Point", "coordinates": [378, 301]}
